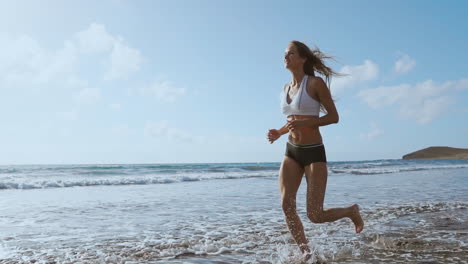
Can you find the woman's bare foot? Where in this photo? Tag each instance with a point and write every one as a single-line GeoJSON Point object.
{"type": "Point", "coordinates": [308, 257]}
{"type": "Point", "coordinates": [357, 219]}
{"type": "Point", "coordinates": [304, 249]}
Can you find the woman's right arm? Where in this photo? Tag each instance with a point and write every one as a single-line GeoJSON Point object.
{"type": "Point", "coordinates": [284, 129]}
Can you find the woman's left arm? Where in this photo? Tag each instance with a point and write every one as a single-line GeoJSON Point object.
{"type": "Point", "coordinates": [326, 100]}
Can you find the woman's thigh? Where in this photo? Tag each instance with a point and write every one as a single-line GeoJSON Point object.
{"type": "Point", "coordinates": [316, 176]}
{"type": "Point", "coordinates": [290, 177]}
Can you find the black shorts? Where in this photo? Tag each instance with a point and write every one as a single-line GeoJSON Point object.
{"type": "Point", "coordinates": [306, 154]}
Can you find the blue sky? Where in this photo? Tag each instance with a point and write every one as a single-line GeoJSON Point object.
{"type": "Point", "coordinates": [199, 81]}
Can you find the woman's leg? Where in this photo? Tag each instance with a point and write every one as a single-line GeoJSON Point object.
{"type": "Point", "coordinates": [316, 175]}
{"type": "Point", "coordinates": [290, 178]}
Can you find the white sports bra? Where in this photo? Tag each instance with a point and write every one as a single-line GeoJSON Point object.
{"type": "Point", "coordinates": [301, 103]}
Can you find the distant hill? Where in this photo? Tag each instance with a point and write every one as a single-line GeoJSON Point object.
{"type": "Point", "coordinates": [438, 153]}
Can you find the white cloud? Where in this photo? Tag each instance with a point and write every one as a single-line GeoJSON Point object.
{"type": "Point", "coordinates": [19, 52]}
{"type": "Point", "coordinates": [88, 96]}
{"type": "Point", "coordinates": [367, 71]}
{"type": "Point", "coordinates": [163, 91]}
{"type": "Point", "coordinates": [163, 130]}
{"type": "Point", "coordinates": [404, 64]}
{"type": "Point", "coordinates": [422, 102]}
{"type": "Point", "coordinates": [63, 61]}
{"type": "Point", "coordinates": [123, 62]}
{"type": "Point", "coordinates": [462, 84]}
{"type": "Point", "coordinates": [373, 133]}
{"type": "Point", "coordinates": [95, 39]}
{"type": "Point", "coordinates": [426, 110]}
{"type": "Point", "coordinates": [384, 95]}
{"type": "Point", "coordinates": [25, 63]}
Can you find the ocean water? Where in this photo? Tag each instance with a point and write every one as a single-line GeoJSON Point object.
{"type": "Point", "coordinates": [414, 212]}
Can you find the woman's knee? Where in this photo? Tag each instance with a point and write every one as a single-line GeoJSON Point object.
{"type": "Point", "coordinates": [288, 204]}
{"type": "Point", "coordinates": [315, 215]}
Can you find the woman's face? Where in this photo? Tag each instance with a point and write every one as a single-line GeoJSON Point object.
{"type": "Point", "coordinates": [292, 60]}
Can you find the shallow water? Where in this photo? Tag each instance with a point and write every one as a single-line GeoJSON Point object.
{"type": "Point", "coordinates": [231, 214]}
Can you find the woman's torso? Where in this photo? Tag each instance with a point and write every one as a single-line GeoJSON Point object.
{"type": "Point", "coordinates": [301, 105]}
{"type": "Point", "coordinates": [304, 135]}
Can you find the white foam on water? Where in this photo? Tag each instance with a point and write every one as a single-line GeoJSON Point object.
{"type": "Point", "coordinates": [6, 253]}
{"type": "Point", "coordinates": [68, 181]}
{"type": "Point", "coordinates": [358, 170]}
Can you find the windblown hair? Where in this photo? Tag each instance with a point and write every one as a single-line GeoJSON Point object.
{"type": "Point", "coordinates": [316, 63]}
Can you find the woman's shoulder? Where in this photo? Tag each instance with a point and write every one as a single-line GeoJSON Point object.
{"type": "Point", "coordinates": [315, 81]}
{"type": "Point", "coordinates": [315, 85]}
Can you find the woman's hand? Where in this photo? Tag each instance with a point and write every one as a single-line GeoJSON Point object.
{"type": "Point", "coordinates": [273, 134]}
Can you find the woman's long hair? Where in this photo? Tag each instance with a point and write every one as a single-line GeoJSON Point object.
{"type": "Point", "coordinates": [316, 63]}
